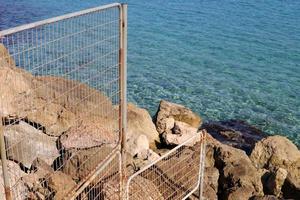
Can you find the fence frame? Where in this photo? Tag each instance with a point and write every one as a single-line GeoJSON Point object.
{"type": "Point", "coordinates": [201, 165]}
{"type": "Point", "coordinates": [121, 144]}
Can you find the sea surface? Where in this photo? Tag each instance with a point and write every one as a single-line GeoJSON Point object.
{"type": "Point", "coordinates": [225, 59]}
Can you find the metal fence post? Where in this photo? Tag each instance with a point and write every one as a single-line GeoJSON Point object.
{"type": "Point", "coordinates": [123, 93]}
{"type": "Point", "coordinates": [4, 164]}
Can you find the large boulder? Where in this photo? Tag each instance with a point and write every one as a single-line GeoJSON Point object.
{"type": "Point", "coordinates": [278, 151]}
{"type": "Point", "coordinates": [239, 179]}
{"type": "Point", "coordinates": [90, 132]}
{"type": "Point", "coordinates": [177, 112]}
{"type": "Point", "coordinates": [236, 133]}
{"type": "Point", "coordinates": [26, 143]}
{"type": "Point", "coordinates": [139, 122]}
{"type": "Point", "coordinates": [79, 98]}
{"type": "Point", "coordinates": [275, 151]}
{"type": "Point", "coordinates": [15, 174]}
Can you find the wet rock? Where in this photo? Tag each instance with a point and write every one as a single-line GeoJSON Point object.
{"type": "Point", "coordinates": [239, 179]}
{"type": "Point", "coordinates": [276, 181]}
{"type": "Point", "coordinates": [15, 175]}
{"type": "Point", "coordinates": [178, 113]}
{"type": "Point", "coordinates": [140, 123]}
{"type": "Point", "coordinates": [90, 132]}
{"type": "Point", "coordinates": [236, 133]}
{"type": "Point", "coordinates": [25, 143]}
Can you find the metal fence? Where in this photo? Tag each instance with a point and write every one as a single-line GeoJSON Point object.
{"type": "Point", "coordinates": [63, 86]}
{"type": "Point", "coordinates": [63, 111]}
{"type": "Point", "coordinates": [176, 175]}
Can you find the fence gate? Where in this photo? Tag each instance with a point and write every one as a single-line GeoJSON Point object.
{"type": "Point", "coordinates": [63, 86]}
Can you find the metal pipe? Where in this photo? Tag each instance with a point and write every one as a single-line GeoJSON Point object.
{"type": "Point", "coordinates": [123, 94]}
{"type": "Point", "coordinates": [55, 19]}
{"type": "Point", "coordinates": [4, 164]}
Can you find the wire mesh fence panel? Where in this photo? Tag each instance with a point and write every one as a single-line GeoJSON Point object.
{"type": "Point", "coordinates": [175, 175]}
{"type": "Point", "coordinates": [60, 102]}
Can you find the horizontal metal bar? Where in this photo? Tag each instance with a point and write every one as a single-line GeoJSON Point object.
{"type": "Point", "coordinates": [56, 19]}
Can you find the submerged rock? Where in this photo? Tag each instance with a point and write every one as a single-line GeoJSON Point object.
{"type": "Point", "coordinates": [236, 133]}
{"type": "Point", "coordinates": [178, 113]}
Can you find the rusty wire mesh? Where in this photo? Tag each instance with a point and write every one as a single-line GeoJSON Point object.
{"type": "Point", "coordinates": [60, 99]}
{"type": "Point", "coordinates": [175, 175]}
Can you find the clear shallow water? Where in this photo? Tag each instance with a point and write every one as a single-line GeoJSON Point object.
{"type": "Point", "coordinates": [223, 59]}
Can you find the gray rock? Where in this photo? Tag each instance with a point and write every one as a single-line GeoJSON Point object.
{"type": "Point", "coordinates": [90, 132]}
{"type": "Point", "coordinates": [25, 143]}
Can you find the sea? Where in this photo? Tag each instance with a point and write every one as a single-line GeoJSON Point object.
{"type": "Point", "coordinates": [224, 59]}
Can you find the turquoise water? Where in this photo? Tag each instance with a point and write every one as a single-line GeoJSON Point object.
{"type": "Point", "coordinates": [223, 59]}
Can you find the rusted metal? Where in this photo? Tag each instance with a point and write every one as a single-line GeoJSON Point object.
{"type": "Point", "coordinates": [7, 189]}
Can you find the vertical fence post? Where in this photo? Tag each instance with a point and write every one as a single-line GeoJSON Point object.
{"type": "Point", "coordinates": [4, 163]}
{"type": "Point", "coordinates": [202, 165]}
{"type": "Point", "coordinates": [123, 94]}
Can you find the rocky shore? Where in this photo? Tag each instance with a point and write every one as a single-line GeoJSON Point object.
{"type": "Point", "coordinates": [51, 133]}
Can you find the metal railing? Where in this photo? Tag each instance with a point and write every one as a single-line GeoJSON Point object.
{"type": "Point", "coordinates": [63, 104]}
{"type": "Point", "coordinates": [175, 175]}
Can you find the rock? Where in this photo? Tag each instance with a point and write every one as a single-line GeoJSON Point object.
{"type": "Point", "coordinates": [15, 85]}
{"type": "Point", "coordinates": [274, 151]}
{"type": "Point", "coordinates": [276, 180]}
{"type": "Point", "coordinates": [210, 186]}
{"type": "Point", "coordinates": [140, 188]}
{"type": "Point", "coordinates": [148, 191]}
{"type": "Point", "coordinates": [60, 184]}
{"type": "Point", "coordinates": [25, 143]}
{"type": "Point", "coordinates": [83, 161]}
{"type": "Point", "coordinates": [278, 151]}
{"type": "Point", "coordinates": [5, 58]}
{"type": "Point", "coordinates": [19, 190]}
{"type": "Point", "coordinates": [138, 145]}
{"type": "Point", "coordinates": [54, 118]}
{"type": "Point", "coordinates": [74, 96]}
{"type": "Point", "coordinates": [144, 158]}
{"type": "Point", "coordinates": [266, 197]}
{"type": "Point", "coordinates": [35, 181]}
{"type": "Point", "coordinates": [178, 113]}
{"type": "Point", "coordinates": [140, 123]}
{"type": "Point", "coordinates": [91, 132]}
{"type": "Point", "coordinates": [236, 133]}
{"type": "Point", "coordinates": [239, 179]}
{"type": "Point", "coordinates": [181, 133]}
